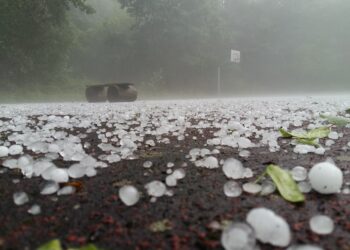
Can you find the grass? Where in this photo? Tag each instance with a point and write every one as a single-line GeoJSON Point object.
{"type": "Point", "coordinates": [71, 90]}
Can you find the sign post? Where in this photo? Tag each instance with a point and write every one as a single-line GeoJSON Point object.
{"type": "Point", "coordinates": [219, 81]}
{"type": "Point", "coordinates": [235, 57]}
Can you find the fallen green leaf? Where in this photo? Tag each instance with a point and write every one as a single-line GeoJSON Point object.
{"type": "Point", "coordinates": [285, 184]}
{"type": "Point", "coordinates": [151, 154]}
{"type": "Point", "coordinates": [161, 226]}
{"type": "Point", "coordinates": [310, 137]}
{"type": "Point", "coordinates": [347, 111]}
{"type": "Point", "coordinates": [311, 142]}
{"type": "Point", "coordinates": [321, 132]}
{"type": "Point", "coordinates": [335, 120]}
{"type": "Point", "coordinates": [52, 245]}
{"type": "Point", "coordinates": [285, 133]}
{"type": "Point", "coordinates": [87, 247]}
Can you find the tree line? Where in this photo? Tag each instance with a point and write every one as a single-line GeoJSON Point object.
{"type": "Point", "coordinates": [175, 44]}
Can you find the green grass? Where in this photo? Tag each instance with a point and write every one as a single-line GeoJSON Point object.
{"type": "Point", "coordinates": [70, 90]}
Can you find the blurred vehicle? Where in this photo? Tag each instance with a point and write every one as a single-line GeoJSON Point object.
{"type": "Point", "coordinates": [112, 92]}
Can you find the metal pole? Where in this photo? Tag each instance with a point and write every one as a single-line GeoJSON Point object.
{"type": "Point", "coordinates": [219, 81]}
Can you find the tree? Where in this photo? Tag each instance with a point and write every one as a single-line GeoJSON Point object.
{"type": "Point", "coordinates": [177, 36]}
{"type": "Point", "coordinates": [35, 38]}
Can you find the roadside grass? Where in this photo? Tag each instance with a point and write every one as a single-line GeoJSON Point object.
{"type": "Point", "coordinates": [71, 90]}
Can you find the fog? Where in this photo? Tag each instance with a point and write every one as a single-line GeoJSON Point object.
{"type": "Point", "coordinates": [51, 50]}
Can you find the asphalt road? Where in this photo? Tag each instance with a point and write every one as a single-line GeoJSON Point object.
{"type": "Point", "coordinates": [194, 210]}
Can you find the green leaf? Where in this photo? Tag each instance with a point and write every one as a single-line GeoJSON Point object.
{"type": "Point", "coordinates": [309, 137]}
{"type": "Point", "coordinates": [285, 133]}
{"type": "Point", "coordinates": [321, 132]}
{"type": "Point", "coordinates": [87, 247]}
{"type": "Point", "coordinates": [311, 142]}
{"type": "Point", "coordinates": [347, 111]}
{"type": "Point", "coordinates": [335, 120]}
{"type": "Point", "coordinates": [161, 226]}
{"type": "Point", "coordinates": [285, 184]}
{"type": "Point", "coordinates": [52, 245]}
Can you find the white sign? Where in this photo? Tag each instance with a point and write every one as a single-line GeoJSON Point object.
{"type": "Point", "coordinates": [235, 56]}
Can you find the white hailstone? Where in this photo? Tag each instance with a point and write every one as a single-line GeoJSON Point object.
{"type": "Point", "coordinates": [211, 162]}
{"type": "Point", "coordinates": [41, 166]}
{"type": "Point", "coordinates": [50, 187]}
{"type": "Point", "coordinates": [304, 247]}
{"type": "Point", "coordinates": [10, 163]}
{"type": "Point", "coordinates": [304, 186]}
{"type": "Point", "coordinates": [147, 164]}
{"type": "Point", "coordinates": [244, 142]}
{"type": "Point", "coordinates": [215, 151]}
{"type": "Point", "coordinates": [129, 195]}
{"type": "Point", "coordinates": [20, 198]}
{"type": "Point", "coordinates": [269, 227]}
{"type": "Point", "coordinates": [299, 173]}
{"type": "Point", "coordinates": [238, 236]}
{"type": "Point", "coordinates": [15, 150]}
{"type": "Point", "coordinates": [267, 187]}
{"type": "Point", "coordinates": [297, 123]}
{"type": "Point", "coordinates": [155, 188]}
{"type": "Point", "coordinates": [204, 152]}
{"type": "Point", "coordinates": [244, 153]}
{"type": "Point", "coordinates": [181, 138]}
{"type": "Point", "coordinates": [76, 171]}
{"type": "Point", "coordinates": [251, 187]}
{"type": "Point", "coordinates": [195, 152]}
{"type": "Point", "coordinates": [34, 210]}
{"type": "Point", "coordinates": [113, 158]}
{"type": "Point", "coordinates": [214, 141]}
{"type": "Point", "coordinates": [169, 171]}
{"type": "Point", "coordinates": [24, 161]}
{"type": "Point", "coordinates": [58, 175]}
{"type": "Point", "coordinates": [52, 156]}
{"type": "Point", "coordinates": [170, 165]}
{"type": "Point", "coordinates": [232, 189]}
{"type": "Point", "coordinates": [4, 151]}
{"type": "Point", "coordinates": [233, 168]}
{"type": "Point", "coordinates": [150, 143]}
{"type": "Point", "coordinates": [171, 181]}
{"type": "Point", "coordinates": [321, 224]}
{"type": "Point", "coordinates": [169, 193]}
{"type": "Point", "coordinates": [326, 178]}
{"type": "Point", "coordinates": [27, 171]}
{"type": "Point", "coordinates": [15, 181]}
{"type": "Point", "coordinates": [67, 190]}
{"type": "Point", "coordinates": [304, 149]}
{"type": "Point", "coordinates": [248, 173]}
{"type": "Point", "coordinates": [90, 172]}
{"type": "Point", "coordinates": [54, 148]}
{"type": "Point", "coordinates": [320, 151]}
{"type": "Point", "coordinates": [233, 125]}
{"type": "Point", "coordinates": [329, 143]}
{"type": "Point", "coordinates": [346, 191]}
{"type": "Point", "coordinates": [46, 175]}
{"type": "Point", "coordinates": [333, 135]}
{"type": "Point", "coordinates": [179, 173]}
{"type": "Point", "coordinates": [165, 141]}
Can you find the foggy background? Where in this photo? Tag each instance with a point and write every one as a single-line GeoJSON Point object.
{"type": "Point", "coordinates": [52, 49]}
